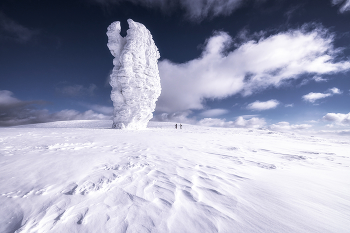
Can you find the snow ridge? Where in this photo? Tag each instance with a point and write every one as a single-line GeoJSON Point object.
{"type": "Point", "coordinates": [135, 78]}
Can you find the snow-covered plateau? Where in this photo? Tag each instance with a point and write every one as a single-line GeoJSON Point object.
{"type": "Point", "coordinates": [83, 176]}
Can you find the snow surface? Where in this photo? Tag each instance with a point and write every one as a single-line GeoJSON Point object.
{"type": "Point", "coordinates": [82, 176]}
{"type": "Point", "coordinates": [135, 77]}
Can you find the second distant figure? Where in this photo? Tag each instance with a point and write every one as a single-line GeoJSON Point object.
{"type": "Point", "coordinates": [175, 126]}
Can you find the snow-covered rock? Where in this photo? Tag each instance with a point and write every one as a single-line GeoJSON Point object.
{"type": "Point", "coordinates": [135, 78]}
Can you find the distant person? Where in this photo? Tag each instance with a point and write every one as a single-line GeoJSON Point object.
{"type": "Point", "coordinates": [180, 126]}
{"type": "Point", "coordinates": [175, 126]}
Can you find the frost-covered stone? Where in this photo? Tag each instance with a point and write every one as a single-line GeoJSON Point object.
{"type": "Point", "coordinates": [135, 78]}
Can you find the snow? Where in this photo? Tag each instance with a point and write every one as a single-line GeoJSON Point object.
{"type": "Point", "coordinates": [83, 176]}
{"type": "Point", "coordinates": [135, 77]}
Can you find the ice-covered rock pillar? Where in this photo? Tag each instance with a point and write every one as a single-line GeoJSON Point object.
{"type": "Point", "coordinates": [135, 78]}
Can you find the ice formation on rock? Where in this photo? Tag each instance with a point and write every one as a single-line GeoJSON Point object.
{"type": "Point", "coordinates": [135, 78]}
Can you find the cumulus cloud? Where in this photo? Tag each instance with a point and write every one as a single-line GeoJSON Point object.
{"type": "Point", "coordinates": [344, 5]}
{"type": "Point", "coordinates": [214, 112]}
{"type": "Point", "coordinates": [338, 118]}
{"type": "Point", "coordinates": [335, 90]}
{"type": "Point", "coordinates": [12, 30]}
{"type": "Point", "coordinates": [286, 126]}
{"type": "Point", "coordinates": [312, 97]}
{"type": "Point", "coordinates": [77, 90]}
{"type": "Point", "coordinates": [14, 110]}
{"type": "Point", "coordinates": [17, 112]}
{"type": "Point", "coordinates": [253, 66]}
{"type": "Point", "coordinates": [240, 122]}
{"type": "Point", "coordinates": [194, 9]}
{"type": "Point", "coordinates": [261, 106]}
{"type": "Point", "coordinates": [7, 98]}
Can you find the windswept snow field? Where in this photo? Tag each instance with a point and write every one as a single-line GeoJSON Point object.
{"type": "Point", "coordinates": [82, 176]}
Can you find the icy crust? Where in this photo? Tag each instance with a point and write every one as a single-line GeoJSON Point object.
{"type": "Point", "coordinates": [135, 78]}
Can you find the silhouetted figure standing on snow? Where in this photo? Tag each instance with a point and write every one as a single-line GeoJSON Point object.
{"type": "Point", "coordinates": [180, 126]}
{"type": "Point", "coordinates": [175, 126]}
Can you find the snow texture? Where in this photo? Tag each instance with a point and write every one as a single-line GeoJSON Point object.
{"type": "Point", "coordinates": [135, 78]}
{"type": "Point", "coordinates": [80, 176]}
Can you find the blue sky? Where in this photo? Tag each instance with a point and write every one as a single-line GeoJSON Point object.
{"type": "Point", "coordinates": [277, 64]}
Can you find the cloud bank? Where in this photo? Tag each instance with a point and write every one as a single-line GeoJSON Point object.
{"type": "Point", "coordinates": [286, 126]}
{"type": "Point", "coordinates": [338, 118]}
{"type": "Point", "coordinates": [179, 117]}
{"type": "Point", "coordinates": [240, 122]}
{"type": "Point", "coordinates": [17, 112]}
{"type": "Point", "coordinates": [252, 67]}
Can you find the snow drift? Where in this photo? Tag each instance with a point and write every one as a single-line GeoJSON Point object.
{"type": "Point", "coordinates": [135, 78]}
{"type": "Point", "coordinates": [80, 176]}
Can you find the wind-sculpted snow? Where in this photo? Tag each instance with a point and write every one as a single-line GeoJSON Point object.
{"type": "Point", "coordinates": [198, 179]}
{"type": "Point", "coordinates": [135, 78]}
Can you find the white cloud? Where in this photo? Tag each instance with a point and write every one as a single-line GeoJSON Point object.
{"type": "Point", "coordinates": [214, 112]}
{"type": "Point", "coordinates": [194, 9]}
{"type": "Point", "coordinates": [319, 79]}
{"type": "Point", "coordinates": [249, 116]}
{"type": "Point", "coordinates": [312, 97]}
{"type": "Point", "coordinates": [102, 109]}
{"type": "Point", "coordinates": [261, 106]}
{"type": "Point", "coordinates": [286, 126]}
{"type": "Point", "coordinates": [7, 98]}
{"type": "Point", "coordinates": [289, 105]}
{"type": "Point", "coordinates": [337, 118]}
{"type": "Point", "coordinates": [199, 9]}
{"type": "Point", "coordinates": [108, 110]}
{"type": "Point", "coordinates": [180, 117]}
{"type": "Point", "coordinates": [345, 5]}
{"type": "Point", "coordinates": [11, 105]}
{"type": "Point", "coordinates": [69, 114]}
{"type": "Point", "coordinates": [43, 115]}
{"type": "Point", "coordinates": [240, 122]}
{"type": "Point", "coordinates": [252, 67]}
{"type": "Point", "coordinates": [315, 78]}
{"type": "Point", "coordinates": [335, 90]}
{"type": "Point", "coordinates": [343, 132]}
{"type": "Point", "coordinates": [17, 112]}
